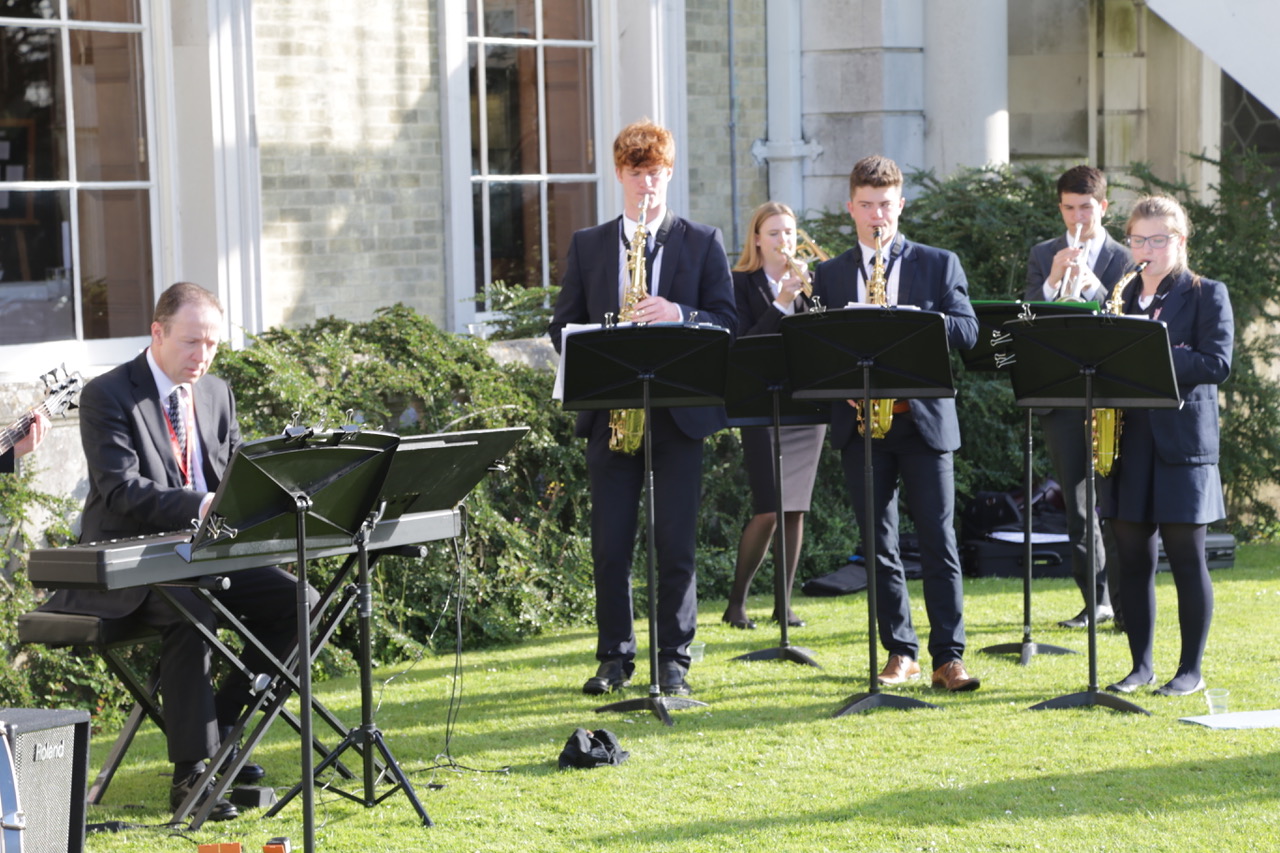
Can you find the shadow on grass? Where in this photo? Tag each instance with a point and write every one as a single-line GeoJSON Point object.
{"type": "Point", "coordinates": [1117, 792]}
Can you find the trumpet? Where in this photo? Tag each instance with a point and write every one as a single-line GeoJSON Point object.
{"type": "Point", "coordinates": [802, 257]}
{"type": "Point", "coordinates": [1073, 279]}
{"type": "Point", "coordinates": [1108, 424]}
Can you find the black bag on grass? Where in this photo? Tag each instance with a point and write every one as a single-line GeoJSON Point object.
{"type": "Point", "coordinates": [592, 749]}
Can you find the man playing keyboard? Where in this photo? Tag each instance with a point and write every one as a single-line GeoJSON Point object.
{"type": "Point", "coordinates": [158, 434]}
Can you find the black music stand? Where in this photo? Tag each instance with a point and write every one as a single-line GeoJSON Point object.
{"type": "Point", "coordinates": [329, 480]}
{"type": "Point", "coordinates": [428, 473]}
{"type": "Point", "coordinates": [754, 396]}
{"type": "Point", "coordinates": [658, 366]}
{"type": "Point", "coordinates": [992, 353]}
{"type": "Point", "coordinates": [869, 353]}
{"type": "Point", "coordinates": [1085, 363]}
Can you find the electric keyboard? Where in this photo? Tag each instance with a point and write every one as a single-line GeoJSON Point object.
{"type": "Point", "coordinates": [142, 560]}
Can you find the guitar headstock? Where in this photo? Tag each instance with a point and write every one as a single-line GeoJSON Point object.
{"type": "Point", "coordinates": [63, 388]}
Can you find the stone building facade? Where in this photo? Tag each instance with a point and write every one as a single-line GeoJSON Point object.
{"type": "Point", "coordinates": [313, 158]}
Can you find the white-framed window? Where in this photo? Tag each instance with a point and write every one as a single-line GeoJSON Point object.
{"type": "Point", "coordinates": [77, 173]}
{"type": "Point", "coordinates": [532, 84]}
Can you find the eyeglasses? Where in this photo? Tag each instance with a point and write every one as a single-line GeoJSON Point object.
{"type": "Point", "coordinates": [1155, 241]}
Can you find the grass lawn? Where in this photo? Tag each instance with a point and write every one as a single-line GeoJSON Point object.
{"type": "Point", "coordinates": [766, 767]}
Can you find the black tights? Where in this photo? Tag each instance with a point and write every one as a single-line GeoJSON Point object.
{"type": "Point", "coordinates": [1184, 546]}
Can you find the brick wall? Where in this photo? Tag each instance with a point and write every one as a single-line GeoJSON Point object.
{"type": "Point", "coordinates": [707, 151]}
{"type": "Point", "coordinates": [348, 124]}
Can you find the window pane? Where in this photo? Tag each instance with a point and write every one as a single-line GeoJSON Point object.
{"type": "Point", "coordinates": [476, 141]}
{"type": "Point", "coordinates": [515, 223]}
{"type": "Point", "coordinates": [570, 207]}
{"type": "Point", "coordinates": [115, 253]}
{"type": "Point", "coordinates": [113, 11]}
{"type": "Point", "coordinates": [477, 223]}
{"type": "Point", "coordinates": [509, 19]}
{"type": "Point", "coordinates": [472, 17]}
{"type": "Point", "coordinates": [512, 110]}
{"type": "Point", "coordinates": [569, 120]}
{"type": "Point", "coordinates": [47, 9]}
{"type": "Point", "coordinates": [35, 261]}
{"type": "Point", "coordinates": [33, 144]}
{"type": "Point", "coordinates": [111, 129]}
{"type": "Point", "coordinates": [566, 19]}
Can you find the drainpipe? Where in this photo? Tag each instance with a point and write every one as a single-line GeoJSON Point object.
{"type": "Point", "coordinates": [785, 150]}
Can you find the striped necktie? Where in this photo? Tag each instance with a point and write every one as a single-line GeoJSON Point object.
{"type": "Point", "coordinates": [177, 409]}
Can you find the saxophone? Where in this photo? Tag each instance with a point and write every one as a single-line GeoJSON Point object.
{"type": "Point", "coordinates": [877, 294]}
{"type": "Point", "coordinates": [626, 426]}
{"type": "Point", "coordinates": [1109, 423]}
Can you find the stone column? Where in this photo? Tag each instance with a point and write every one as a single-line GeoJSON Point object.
{"type": "Point", "coordinates": [966, 90]}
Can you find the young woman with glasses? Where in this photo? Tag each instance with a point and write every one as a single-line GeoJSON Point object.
{"type": "Point", "coordinates": [1166, 480]}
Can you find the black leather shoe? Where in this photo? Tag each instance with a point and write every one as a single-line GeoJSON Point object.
{"type": "Point", "coordinates": [740, 624]}
{"type": "Point", "coordinates": [613, 674]}
{"type": "Point", "coordinates": [1081, 619]}
{"type": "Point", "coordinates": [671, 679]}
{"type": "Point", "coordinates": [249, 774]}
{"type": "Point", "coordinates": [182, 788]}
{"type": "Point", "coordinates": [793, 622]}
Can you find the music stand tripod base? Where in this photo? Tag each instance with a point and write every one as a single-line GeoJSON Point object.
{"type": "Point", "coordinates": [655, 703]}
{"type": "Point", "coordinates": [1088, 699]}
{"type": "Point", "coordinates": [870, 700]}
{"type": "Point", "coordinates": [1026, 650]}
{"type": "Point", "coordinates": [793, 654]}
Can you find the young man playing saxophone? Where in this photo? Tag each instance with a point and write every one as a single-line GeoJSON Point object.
{"type": "Point", "coordinates": [923, 436]}
{"type": "Point", "coordinates": [687, 271]}
{"type": "Point", "coordinates": [1086, 262]}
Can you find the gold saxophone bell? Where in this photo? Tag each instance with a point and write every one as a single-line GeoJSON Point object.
{"type": "Point", "coordinates": [626, 426]}
{"type": "Point", "coordinates": [877, 294]}
{"type": "Point", "coordinates": [1108, 424]}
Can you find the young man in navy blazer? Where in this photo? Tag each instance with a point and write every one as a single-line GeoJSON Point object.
{"type": "Point", "coordinates": [1086, 261]}
{"type": "Point", "coordinates": [689, 272]}
{"type": "Point", "coordinates": [919, 446]}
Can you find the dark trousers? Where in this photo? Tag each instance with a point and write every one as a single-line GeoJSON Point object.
{"type": "Point", "coordinates": [928, 476]}
{"type": "Point", "coordinates": [1064, 434]}
{"type": "Point", "coordinates": [265, 599]}
{"type": "Point", "coordinates": [617, 491]}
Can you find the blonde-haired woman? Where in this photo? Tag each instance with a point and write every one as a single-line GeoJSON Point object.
{"type": "Point", "coordinates": [767, 290]}
{"type": "Point", "coordinates": [1166, 480]}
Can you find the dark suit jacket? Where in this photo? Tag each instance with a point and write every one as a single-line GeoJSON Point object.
{"type": "Point", "coordinates": [8, 461]}
{"type": "Point", "coordinates": [694, 274]}
{"type": "Point", "coordinates": [756, 313]}
{"type": "Point", "coordinates": [930, 279]}
{"type": "Point", "coordinates": [1201, 335]}
{"type": "Point", "coordinates": [1112, 261]}
{"type": "Point", "coordinates": [135, 486]}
